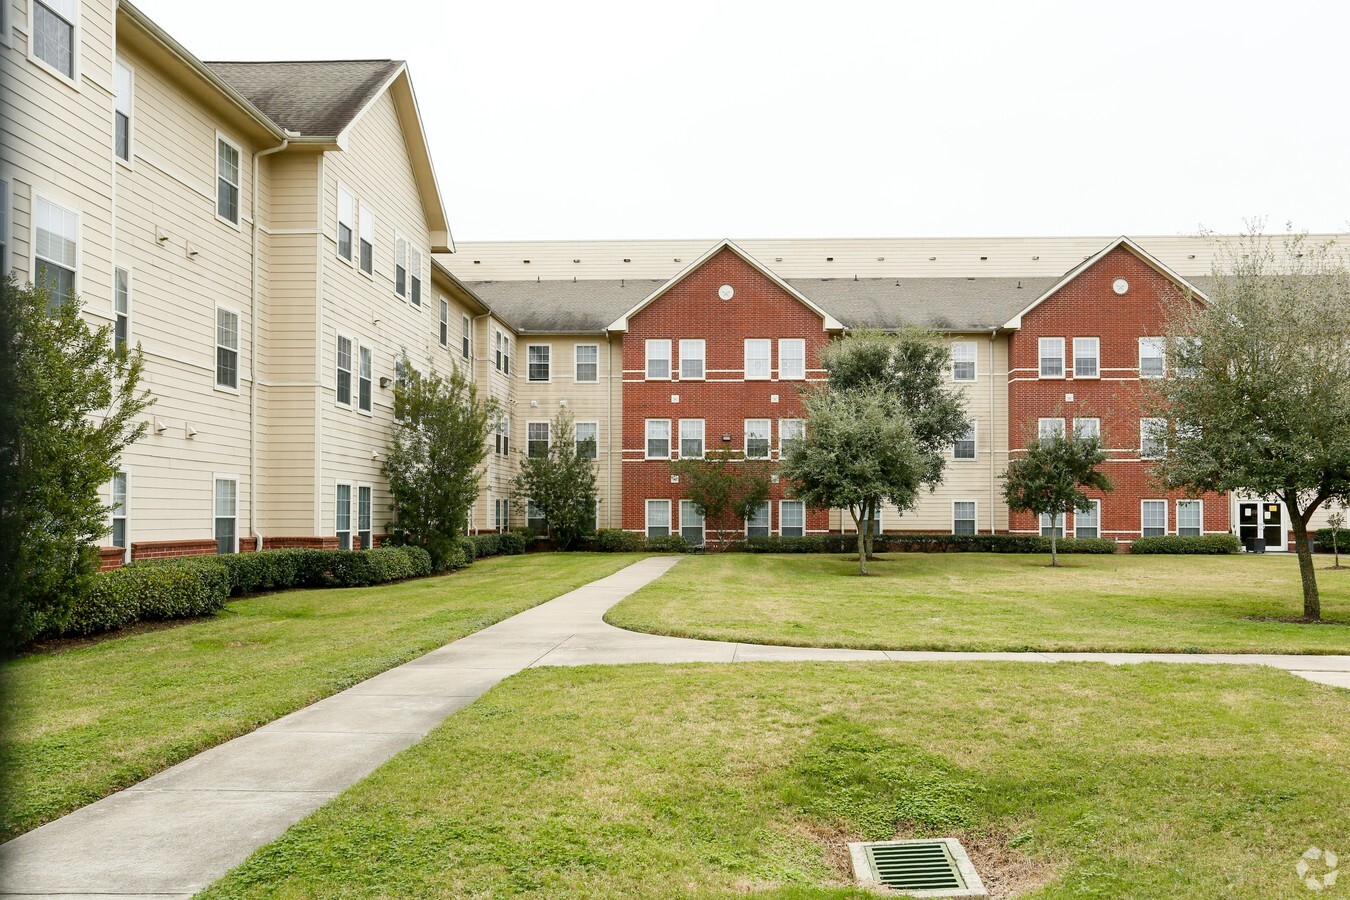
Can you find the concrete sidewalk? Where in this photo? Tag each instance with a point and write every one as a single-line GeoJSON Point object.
{"type": "Point", "coordinates": [176, 832]}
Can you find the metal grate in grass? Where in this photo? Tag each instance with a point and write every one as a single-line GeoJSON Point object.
{"type": "Point", "coordinates": [918, 868]}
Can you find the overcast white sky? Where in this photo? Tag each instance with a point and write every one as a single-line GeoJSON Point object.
{"type": "Point", "coordinates": [787, 119]}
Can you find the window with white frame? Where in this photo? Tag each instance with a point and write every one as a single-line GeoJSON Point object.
{"type": "Point", "coordinates": [400, 386]}
{"type": "Point", "coordinates": [535, 520]}
{"type": "Point", "coordinates": [501, 513]}
{"type": "Point", "coordinates": [344, 370]}
{"type": "Point", "coordinates": [227, 181]}
{"type": "Point", "coordinates": [227, 348]}
{"type": "Point", "coordinates": [364, 376]}
{"type": "Point", "coordinates": [658, 439]}
{"type": "Point", "coordinates": [1153, 518]}
{"type": "Point", "coordinates": [757, 438]}
{"type": "Point", "coordinates": [759, 524]}
{"type": "Point", "coordinates": [658, 518]}
{"type": "Point", "coordinates": [122, 107]}
{"type": "Point", "coordinates": [506, 361]}
{"type": "Point", "coordinates": [1087, 357]}
{"type": "Point", "coordinates": [691, 438]}
{"type": "Point", "coordinates": [536, 439]}
{"type": "Point", "coordinates": [366, 251]}
{"type": "Point", "coordinates": [789, 431]}
{"type": "Point", "coordinates": [414, 275]}
{"type": "Point", "coordinates": [692, 358]}
{"type": "Point", "coordinates": [964, 448]}
{"type": "Point", "coordinates": [503, 436]}
{"type": "Point", "coordinates": [587, 436]}
{"type": "Point", "coordinates": [363, 515]}
{"type": "Point", "coordinates": [465, 341]}
{"type": "Point", "coordinates": [963, 517]}
{"type": "Point", "coordinates": [498, 349]}
{"type": "Point", "coordinates": [227, 514]}
{"type": "Point", "coordinates": [53, 33]}
{"type": "Point", "coordinates": [1087, 427]}
{"type": "Point", "coordinates": [346, 223]}
{"type": "Point", "coordinates": [1152, 438]}
{"type": "Point", "coordinates": [1051, 525]}
{"type": "Point", "coordinates": [1087, 522]}
{"type": "Point", "coordinates": [587, 363]}
{"type": "Point", "coordinates": [539, 362]}
{"type": "Point", "coordinates": [343, 509]}
{"type": "Point", "coordinates": [4, 228]}
{"type": "Point", "coordinates": [1152, 357]}
{"type": "Point", "coordinates": [874, 526]}
{"type": "Point", "coordinates": [55, 250]}
{"type": "Point", "coordinates": [791, 359]}
{"type": "Point", "coordinates": [444, 333]}
{"type": "Point", "coordinates": [1052, 357]}
{"type": "Point", "coordinates": [658, 360]}
{"type": "Point", "coordinates": [792, 518]}
{"type": "Point", "coordinates": [119, 511]}
{"type": "Point", "coordinates": [757, 358]}
{"type": "Point", "coordinates": [1190, 518]}
{"type": "Point", "coordinates": [691, 523]}
{"type": "Point", "coordinates": [964, 355]}
{"type": "Point", "coordinates": [1049, 428]}
{"type": "Point", "coordinates": [1189, 357]}
{"type": "Point", "coordinates": [121, 309]}
{"type": "Point", "coordinates": [400, 266]}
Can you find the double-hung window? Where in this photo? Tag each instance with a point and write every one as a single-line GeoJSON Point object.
{"type": "Point", "coordinates": [759, 523]}
{"type": "Point", "coordinates": [1153, 518]}
{"type": "Point", "coordinates": [122, 112]}
{"type": "Point", "coordinates": [465, 348]}
{"type": "Point", "coordinates": [1152, 438]}
{"type": "Point", "coordinates": [586, 364]}
{"type": "Point", "coordinates": [1047, 429]}
{"type": "Point", "coordinates": [691, 438]}
{"type": "Point", "coordinates": [364, 378]}
{"type": "Point", "coordinates": [344, 370]}
{"type": "Point", "coordinates": [343, 526]}
{"type": "Point", "coordinates": [498, 349]}
{"type": "Point", "coordinates": [789, 432]}
{"type": "Point", "coordinates": [963, 517]}
{"type": "Point", "coordinates": [415, 276]}
{"type": "Point", "coordinates": [119, 511]}
{"type": "Point", "coordinates": [792, 518]}
{"type": "Point", "coordinates": [53, 33]}
{"type": "Point", "coordinates": [1152, 357]}
{"type": "Point", "coordinates": [691, 523]}
{"type": "Point", "coordinates": [227, 181]}
{"type": "Point", "coordinates": [964, 448]}
{"type": "Point", "coordinates": [536, 439]}
{"type": "Point", "coordinates": [658, 439]}
{"type": "Point", "coordinates": [501, 513]}
{"type": "Point", "coordinates": [1087, 522]}
{"type": "Point", "coordinates": [227, 514]}
{"type": "Point", "coordinates": [1052, 525]}
{"type": "Point", "coordinates": [1087, 357]}
{"type": "Point", "coordinates": [1190, 518]}
{"type": "Point", "coordinates": [757, 438]}
{"type": "Point", "coordinates": [658, 360]}
{"type": "Point", "coordinates": [539, 359]}
{"type": "Point", "coordinates": [658, 518]}
{"type": "Point", "coordinates": [227, 348]}
{"type": "Point", "coordinates": [1087, 427]}
{"type": "Point", "coordinates": [757, 359]}
{"type": "Point", "coordinates": [366, 258]}
{"type": "Point", "coordinates": [363, 515]}
{"type": "Point", "coordinates": [4, 226]}
{"type": "Point", "coordinates": [692, 358]}
{"type": "Point", "coordinates": [55, 250]}
{"type": "Point", "coordinates": [587, 437]}
{"type": "Point", "coordinates": [445, 322]}
{"type": "Point", "coordinates": [535, 519]}
{"type": "Point", "coordinates": [346, 227]}
{"type": "Point", "coordinates": [964, 354]}
{"type": "Point", "coordinates": [401, 267]}
{"type": "Point", "coordinates": [121, 309]}
{"type": "Point", "coordinates": [503, 436]}
{"type": "Point", "coordinates": [791, 359]}
{"type": "Point", "coordinates": [1052, 357]}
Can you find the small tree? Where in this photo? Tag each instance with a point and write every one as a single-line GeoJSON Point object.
{"type": "Point", "coordinates": [561, 483]}
{"type": "Point", "coordinates": [1049, 478]}
{"type": "Point", "coordinates": [725, 488]}
{"type": "Point", "coordinates": [69, 409]}
{"type": "Point", "coordinates": [441, 427]}
{"type": "Point", "coordinates": [1337, 521]}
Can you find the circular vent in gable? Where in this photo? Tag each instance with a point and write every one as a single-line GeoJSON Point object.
{"type": "Point", "coordinates": [726, 292]}
{"type": "Point", "coordinates": [1120, 285]}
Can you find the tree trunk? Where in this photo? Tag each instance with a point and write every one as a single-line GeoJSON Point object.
{"type": "Point", "coordinates": [1054, 550]}
{"type": "Point", "coordinates": [862, 543]}
{"type": "Point", "coordinates": [1312, 601]}
{"type": "Point", "coordinates": [871, 513]}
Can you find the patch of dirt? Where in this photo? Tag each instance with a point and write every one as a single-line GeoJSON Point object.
{"type": "Point", "coordinates": [1295, 620]}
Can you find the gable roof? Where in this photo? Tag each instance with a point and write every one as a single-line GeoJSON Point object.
{"type": "Point", "coordinates": [829, 322]}
{"type": "Point", "coordinates": [1158, 265]}
{"type": "Point", "coordinates": [318, 98]}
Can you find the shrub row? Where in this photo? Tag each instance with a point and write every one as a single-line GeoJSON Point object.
{"type": "Point", "coordinates": [124, 596]}
{"type": "Point", "coordinates": [506, 543]}
{"type": "Point", "coordinates": [1323, 537]}
{"type": "Point", "coordinates": [1206, 544]}
{"type": "Point", "coordinates": [929, 543]}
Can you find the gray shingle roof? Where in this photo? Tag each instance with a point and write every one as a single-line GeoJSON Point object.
{"type": "Point", "coordinates": [563, 307]}
{"type": "Point", "coordinates": [316, 99]}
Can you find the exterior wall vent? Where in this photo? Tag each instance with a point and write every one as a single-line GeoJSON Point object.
{"type": "Point", "coordinates": [924, 868]}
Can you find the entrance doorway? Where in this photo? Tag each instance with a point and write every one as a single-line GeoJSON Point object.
{"type": "Point", "coordinates": [1260, 526]}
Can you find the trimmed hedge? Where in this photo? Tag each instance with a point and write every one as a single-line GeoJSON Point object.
{"type": "Point", "coordinates": [1323, 538]}
{"type": "Point", "coordinates": [614, 540]}
{"type": "Point", "coordinates": [930, 543]}
{"type": "Point", "coordinates": [131, 594]}
{"type": "Point", "coordinates": [1206, 544]}
{"type": "Point", "coordinates": [668, 543]}
{"type": "Point", "coordinates": [503, 543]}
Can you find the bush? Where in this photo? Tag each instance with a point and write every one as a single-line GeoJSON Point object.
{"type": "Point", "coordinates": [485, 545]}
{"type": "Point", "coordinates": [124, 596]}
{"type": "Point", "coordinates": [966, 543]}
{"type": "Point", "coordinates": [667, 543]}
{"type": "Point", "coordinates": [614, 540]}
{"type": "Point", "coordinates": [809, 544]}
{"type": "Point", "coordinates": [1323, 538]}
{"type": "Point", "coordinates": [1208, 544]}
{"type": "Point", "coordinates": [513, 543]}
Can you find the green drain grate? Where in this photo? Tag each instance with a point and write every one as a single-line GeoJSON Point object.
{"type": "Point", "coordinates": [932, 868]}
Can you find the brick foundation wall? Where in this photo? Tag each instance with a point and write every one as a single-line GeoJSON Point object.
{"type": "Point", "coordinates": [309, 543]}
{"type": "Point", "coordinates": [110, 558]}
{"type": "Point", "coordinates": [165, 549]}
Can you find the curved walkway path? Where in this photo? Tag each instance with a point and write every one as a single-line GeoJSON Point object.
{"type": "Point", "coordinates": [176, 832]}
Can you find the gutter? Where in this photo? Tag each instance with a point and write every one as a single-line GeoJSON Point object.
{"type": "Point", "coordinates": [993, 427]}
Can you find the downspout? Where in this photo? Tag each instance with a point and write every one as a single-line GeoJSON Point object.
{"type": "Point", "coordinates": [253, 350]}
{"type": "Point", "coordinates": [993, 429]}
{"type": "Point", "coordinates": [609, 429]}
{"type": "Point", "coordinates": [473, 371]}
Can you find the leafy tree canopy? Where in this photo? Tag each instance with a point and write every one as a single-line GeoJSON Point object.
{"type": "Point", "coordinates": [561, 483]}
{"type": "Point", "coordinates": [725, 488]}
{"type": "Point", "coordinates": [1050, 478]}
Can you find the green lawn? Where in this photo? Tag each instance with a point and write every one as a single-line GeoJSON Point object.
{"type": "Point", "coordinates": [987, 601]}
{"type": "Point", "coordinates": [89, 721]}
{"type": "Point", "coordinates": [1066, 780]}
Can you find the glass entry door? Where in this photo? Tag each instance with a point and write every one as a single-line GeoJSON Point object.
{"type": "Point", "coordinates": [1260, 526]}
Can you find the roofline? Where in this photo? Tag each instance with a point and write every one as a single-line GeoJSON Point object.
{"type": "Point", "coordinates": [438, 269]}
{"type": "Point", "coordinates": [1123, 241]}
{"type": "Point", "coordinates": [828, 322]}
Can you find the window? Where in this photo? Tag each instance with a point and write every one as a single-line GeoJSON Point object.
{"type": "Point", "coordinates": [1189, 357]}
{"type": "Point", "coordinates": [122, 112]}
{"type": "Point", "coordinates": [346, 223]}
{"type": "Point", "coordinates": [691, 523]}
{"type": "Point", "coordinates": [758, 525]}
{"type": "Point", "coordinates": [1087, 427]}
{"type": "Point", "coordinates": [658, 360]}
{"type": "Point", "coordinates": [539, 362]}
{"type": "Point", "coordinates": [363, 510]}
{"type": "Point", "coordinates": [692, 353]}
{"type": "Point", "coordinates": [1087, 522]}
{"type": "Point", "coordinates": [343, 528]}
{"type": "Point", "coordinates": [501, 514]}
{"type": "Point", "coordinates": [791, 359]}
{"type": "Point", "coordinates": [506, 360]}
{"type": "Point", "coordinates": [55, 250]}
{"type": "Point", "coordinates": [367, 250]}
{"type": "Point", "coordinates": [503, 436]}
{"type": "Point", "coordinates": [792, 518]}
{"type": "Point", "coordinates": [445, 323]}
{"type": "Point", "coordinates": [1086, 357]}
{"type": "Point", "coordinates": [535, 520]}
{"type": "Point", "coordinates": [1152, 438]}
{"type": "Point", "coordinates": [964, 354]}
{"type": "Point", "coordinates": [498, 350]}
{"type": "Point", "coordinates": [536, 439]}
{"type": "Point", "coordinates": [1190, 518]}
{"type": "Point", "coordinates": [587, 435]}
{"type": "Point", "coordinates": [53, 33]}
{"type": "Point", "coordinates": [658, 439]}
{"type": "Point", "coordinates": [874, 526]}
{"type": "Point", "coordinates": [757, 438]}
{"type": "Point", "coordinates": [1152, 357]}
{"type": "Point", "coordinates": [363, 391]}
{"type": "Point", "coordinates": [227, 512]}
{"type": "Point", "coordinates": [415, 276]}
{"type": "Point", "coordinates": [658, 518]}
{"type": "Point", "coordinates": [963, 517]}
{"type": "Point", "coordinates": [344, 371]}
{"type": "Point", "coordinates": [587, 363]}
{"type": "Point", "coordinates": [227, 181]}
{"type": "Point", "coordinates": [789, 431]}
{"type": "Point", "coordinates": [4, 228]}
{"type": "Point", "coordinates": [227, 348]}
{"type": "Point", "coordinates": [400, 267]}
{"type": "Point", "coordinates": [465, 348]}
{"type": "Point", "coordinates": [119, 511]}
{"type": "Point", "coordinates": [121, 309]}
{"type": "Point", "coordinates": [964, 448]}
{"type": "Point", "coordinates": [691, 438]}
{"type": "Point", "coordinates": [1049, 428]}
{"type": "Point", "coordinates": [1153, 518]}
{"type": "Point", "coordinates": [1052, 357]}
{"type": "Point", "coordinates": [1055, 528]}
{"type": "Point", "coordinates": [400, 384]}
{"type": "Point", "coordinates": [757, 363]}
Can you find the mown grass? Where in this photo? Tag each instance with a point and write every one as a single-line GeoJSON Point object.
{"type": "Point", "coordinates": [986, 601]}
{"type": "Point", "coordinates": [1065, 780]}
{"type": "Point", "coordinates": [84, 722]}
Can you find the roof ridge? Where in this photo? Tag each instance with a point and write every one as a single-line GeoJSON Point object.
{"type": "Point", "coordinates": [295, 62]}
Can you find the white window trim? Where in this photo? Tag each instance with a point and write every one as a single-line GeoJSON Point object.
{"type": "Point", "coordinates": [364, 212]}
{"type": "Point", "coordinates": [125, 515]}
{"type": "Point", "coordinates": [780, 432]}
{"type": "Point", "coordinates": [1042, 419]}
{"type": "Point", "coordinates": [576, 441]}
{"type": "Point", "coordinates": [703, 357]}
{"type": "Point", "coordinates": [415, 273]}
{"type": "Point", "coordinates": [781, 503]}
{"type": "Point", "coordinates": [647, 515]}
{"type": "Point", "coordinates": [529, 377]}
{"type": "Point", "coordinates": [1098, 505]}
{"type": "Point", "coordinates": [356, 513]}
{"type": "Point", "coordinates": [1166, 521]}
{"type": "Point", "coordinates": [1077, 433]}
{"type": "Point", "coordinates": [975, 369]}
{"type": "Point", "coordinates": [647, 442]}
{"type": "Point", "coordinates": [1201, 504]}
{"type": "Point", "coordinates": [1142, 437]}
{"type": "Point", "coordinates": [130, 294]}
{"type": "Point", "coordinates": [238, 351]}
{"type": "Point", "coordinates": [703, 522]}
{"type": "Point", "coordinates": [215, 184]}
{"type": "Point", "coordinates": [975, 516]}
{"type": "Point", "coordinates": [351, 511]}
{"type": "Point", "coordinates": [576, 364]}
{"type": "Point", "coordinates": [131, 115]}
{"type": "Point", "coordinates": [975, 440]}
{"type": "Point", "coordinates": [745, 360]}
{"type": "Point", "coordinates": [7, 228]}
{"type": "Point", "coordinates": [1041, 357]}
{"type": "Point", "coordinates": [768, 526]}
{"type": "Point", "coordinates": [356, 380]}
{"type": "Point", "coordinates": [72, 80]}
{"type": "Point", "coordinates": [443, 321]}
{"type": "Point", "coordinates": [548, 443]}
{"type": "Point", "coordinates": [465, 337]}
{"type": "Point", "coordinates": [745, 438]}
{"type": "Point", "coordinates": [647, 357]}
{"type": "Point", "coordinates": [216, 476]}
{"type": "Point", "coordinates": [1163, 357]}
{"type": "Point", "coordinates": [407, 272]}
{"type": "Point", "coordinates": [41, 194]}
{"type": "Point", "coordinates": [1098, 343]}
{"type": "Point", "coordinates": [355, 224]}
{"type": "Point", "coordinates": [6, 26]}
{"type": "Point", "coordinates": [354, 371]}
{"type": "Point", "coordinates": [1060, 518]}
{"type": "Point", "coordinates": [781, 376]}
{"type": "Point", "coordinates": [703, 438]}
